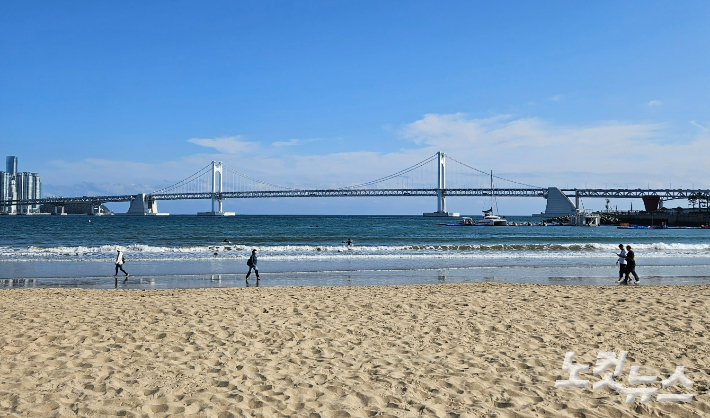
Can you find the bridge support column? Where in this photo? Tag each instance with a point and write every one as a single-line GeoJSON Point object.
{"type": "Point", "coordinates": [144, 205]}
{"type": "Point", "coordinates": [558, 204]}
{"type": "Point", "coordinates": [96, 208]}
{"type": "Point", "coordinates": [59, 210]}
{"type": "Point", "coordinates": [441, 189]}
{"type": "Point", "coordinates": [217, 191]}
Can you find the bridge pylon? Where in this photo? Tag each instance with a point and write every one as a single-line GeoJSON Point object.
{"type": "Point", "coordinates": [217, 190]}
{"type": "Point", "coordinates": [441, 190]}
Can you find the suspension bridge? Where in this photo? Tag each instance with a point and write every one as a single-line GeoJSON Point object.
{"type": "Point", "coordinates": [438, 176]}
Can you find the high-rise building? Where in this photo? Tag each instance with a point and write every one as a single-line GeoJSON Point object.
{"type": "Point", "coordinates": [4, 190]}
{"type": "Point", "coordinates": [11, 165]}
{"type": "Point", "coordinates": [28, 187]}
{"type": "Point", "coordinates": [18, 186]}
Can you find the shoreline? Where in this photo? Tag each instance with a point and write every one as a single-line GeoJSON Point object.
{"type": "Point", "coordinates": [552, 276]}
{"type": "Point", "coordinates": [398, 350]}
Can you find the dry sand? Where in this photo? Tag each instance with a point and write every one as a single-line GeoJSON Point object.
{"type": "Point", "coordinates": [436, 350]}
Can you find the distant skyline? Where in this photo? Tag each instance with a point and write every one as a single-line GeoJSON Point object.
{"type": "Point", "coordinates": [125, 97]}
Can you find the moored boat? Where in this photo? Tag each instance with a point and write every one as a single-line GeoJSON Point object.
{"type": "Point", "coordinates": [465, 221]}
{"type": "Point", "coordinates": [489, 219]}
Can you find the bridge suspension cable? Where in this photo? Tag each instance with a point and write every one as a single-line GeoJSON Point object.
{"type": "Point", "coordinates": [218, 178]}
{"type": "Point", "coordinates": [497, 177]}
{"type": "Point", "coordinates": [240, 174]}
{"type": "Point", "coordinates": [391, 176]}
{"type": "Point", "coordinates": [184, 182]}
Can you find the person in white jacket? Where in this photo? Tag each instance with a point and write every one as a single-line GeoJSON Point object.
{"type": "Point", "coordinates": [622, 263]}
{"type": "Point", "coordinates": [119, 264]}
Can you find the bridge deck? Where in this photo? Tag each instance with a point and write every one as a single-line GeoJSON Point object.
{"type": "Point", "coordinates": [664, 194]}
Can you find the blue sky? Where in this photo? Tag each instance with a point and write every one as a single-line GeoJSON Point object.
{"type": "Point", "coordinates": [124, 97]}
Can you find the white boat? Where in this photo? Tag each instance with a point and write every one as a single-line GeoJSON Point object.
{"type": "Point", "coordinates": [489, 219]}
{"type": "Point", "coordinates": [465, 221]}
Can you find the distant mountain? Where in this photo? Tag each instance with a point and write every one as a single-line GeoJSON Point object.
{"type": "Point", "coordinates": [94, 189]}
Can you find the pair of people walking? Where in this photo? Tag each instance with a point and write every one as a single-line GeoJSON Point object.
{"type": "Point", "coordinates": [627, 265]}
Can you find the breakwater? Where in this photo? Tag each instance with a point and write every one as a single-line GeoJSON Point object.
{"type": "Point", "coordinates": [671, 217]}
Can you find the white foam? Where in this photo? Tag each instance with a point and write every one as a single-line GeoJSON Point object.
{"type": "Point", "coordinates": [358, 252]}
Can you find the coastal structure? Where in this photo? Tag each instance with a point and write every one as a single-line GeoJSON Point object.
{"type": "Point", "coordinates": [666, 217]}
{"type": "Point", "coordinates": [558, 204]}
{"type": "Point", "coordinates": [584, 217]}
{"type": "Point", "coordinates": [15, 185]}
{"type": "Point", "coordinates": [142, 205]}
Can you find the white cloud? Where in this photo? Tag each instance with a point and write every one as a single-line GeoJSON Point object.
{"type": "Point", "coordinates": [697, 125]}
{"type": "Point", "coordinates": [616, 153]}
{"type": "Point", "coordinates": [556, 98]}
{"type": "Point", "coordinates": [654, 103]}
{"type": "Point", "coordinates": [292, 142]}
{"type": "Point", "coordinates": [289, 143]}
{"type": "Point", "coordinates": [226, 145]}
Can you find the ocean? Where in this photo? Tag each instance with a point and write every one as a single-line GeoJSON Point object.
{"type": "Point", "coordinates": [190, 251]}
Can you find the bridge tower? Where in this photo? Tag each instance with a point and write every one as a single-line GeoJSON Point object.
{"type": "Point", "coordinates": [217, 190]}
{"type": "Point", "coordinates": [441, 189]}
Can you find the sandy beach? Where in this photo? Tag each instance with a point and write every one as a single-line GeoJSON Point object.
{"type": "Point", "coordinates": [431, 350]}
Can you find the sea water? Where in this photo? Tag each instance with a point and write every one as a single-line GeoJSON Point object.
{"type": "Point", "coordinates": [196, 251]}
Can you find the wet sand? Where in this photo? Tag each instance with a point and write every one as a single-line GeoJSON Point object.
{"type": "Point", "coordinates": [445, 350]}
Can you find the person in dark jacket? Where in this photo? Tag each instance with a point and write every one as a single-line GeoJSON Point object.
{"type": "Point", "coordinates": [252, 265]}
{"type": "Point", "coordinates": [630, 265]}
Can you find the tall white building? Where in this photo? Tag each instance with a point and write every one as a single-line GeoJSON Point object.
{"type": "Point", "coordinates": [18, 186]}
{"type": "Point", "coordinates": [5, 191]}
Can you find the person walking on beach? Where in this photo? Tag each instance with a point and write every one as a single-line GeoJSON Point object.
{"type": "Point", "coordinates": [119, 264]}
{"type": "Point", "coordinates": [622, 263]}
{"type": "Point", "coordinates": [630, 265]}
{"type": "Point", "coordinates": [252, 265]}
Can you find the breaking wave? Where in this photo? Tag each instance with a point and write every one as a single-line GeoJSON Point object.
{"type": "Point", "coordinates": [299, 252]}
